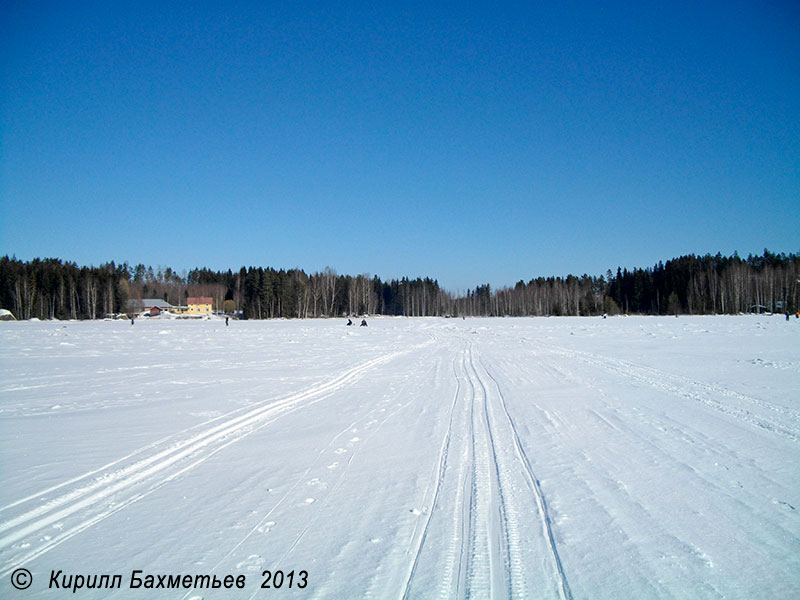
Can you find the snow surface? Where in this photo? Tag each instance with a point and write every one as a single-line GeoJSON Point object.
{"type": "Point", "coordinates": [414, 458]}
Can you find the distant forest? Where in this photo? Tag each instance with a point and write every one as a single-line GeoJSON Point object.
{"type": "Point", "coordinates": [53, 289]}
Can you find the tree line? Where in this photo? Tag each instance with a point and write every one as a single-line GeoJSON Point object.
{"type": "Point", "coordinates": [54, 289]}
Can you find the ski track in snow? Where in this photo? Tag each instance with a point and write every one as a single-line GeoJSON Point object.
{"type": "Point", "coordinates": [481, 523]}
{"type": "Point", "coordinates": [88, 504]}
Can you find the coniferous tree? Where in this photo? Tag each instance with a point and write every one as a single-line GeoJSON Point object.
{"type": "Point", "coordinates": [49, 288]}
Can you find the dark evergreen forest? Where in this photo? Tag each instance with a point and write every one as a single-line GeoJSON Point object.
{"type": "Point", "coordinates": [53, 289]}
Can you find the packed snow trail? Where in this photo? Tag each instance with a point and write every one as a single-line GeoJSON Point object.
{"type": "Point", "coordinates": [493, 550]}
{"type": "Point", "coordinates": [417, 458]}
{"type": "Point", "coordinates": [518, 564]}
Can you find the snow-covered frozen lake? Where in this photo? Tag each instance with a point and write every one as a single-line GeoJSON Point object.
{"type": "Point", "coordinates": [414, 458]}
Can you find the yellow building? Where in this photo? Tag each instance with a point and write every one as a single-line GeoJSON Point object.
{"type": "Point", "coordinates": [199, 306]}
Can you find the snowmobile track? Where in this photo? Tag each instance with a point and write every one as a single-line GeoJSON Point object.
{"type": "Point", "coordinates": [535, 488]}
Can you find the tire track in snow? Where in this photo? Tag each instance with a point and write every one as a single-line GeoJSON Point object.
{"type": "Point", "coordinates": [101, 496]}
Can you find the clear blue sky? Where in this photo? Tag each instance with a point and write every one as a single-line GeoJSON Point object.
{"type": "Point", "coordinates": [467, 142]}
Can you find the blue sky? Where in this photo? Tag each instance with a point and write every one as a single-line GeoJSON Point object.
{"type": "Point", "coordinates": [469, 142]}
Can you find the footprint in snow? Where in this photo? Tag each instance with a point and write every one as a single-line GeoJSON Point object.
{"type": "Point", "coordinates": [333, 465]}
{"type": "Point", "coordinates": [308, 501]}
{"type": "Point", "coordinates": [355, 439]}
{"type": "Point", "coordinates": [266, 527]}
{"type": "Point", "coordinates": [340, 450]}
{"type": "Point", "coordinates": [251, 563]}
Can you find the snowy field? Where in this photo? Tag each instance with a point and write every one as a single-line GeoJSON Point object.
{"type": "Point", "coordinates": [414, 458]}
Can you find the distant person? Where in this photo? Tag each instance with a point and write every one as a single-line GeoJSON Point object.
{"type": "Point", "coordinates": [131, 320]}
{"type": "Point", "coordinates": [363, 322]}
{"type": "Point", "coordinates": [226, 321]}
{"type": "Point", "coordinates": [349, 322]}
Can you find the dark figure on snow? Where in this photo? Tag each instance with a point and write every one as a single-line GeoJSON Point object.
{"type": "Point", "coordinates": [131, 320]}
{"type": "Point", "coordinates": [226, 321]}
{"type": "Point", "coordinates": [349, 322]}
{"type": "Point", "coordinates": [363, 322]}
